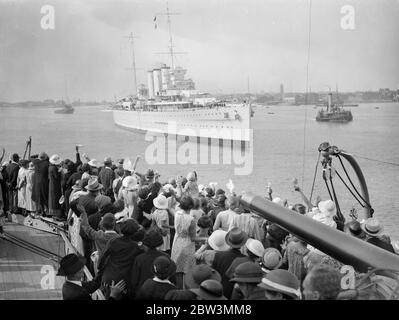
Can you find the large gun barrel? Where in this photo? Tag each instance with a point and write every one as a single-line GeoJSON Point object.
{"type": "Point", "coordinates": [337, 244]}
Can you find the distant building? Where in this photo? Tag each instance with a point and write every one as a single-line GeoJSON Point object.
{"type": "Point", "coordinates": [307, 98]}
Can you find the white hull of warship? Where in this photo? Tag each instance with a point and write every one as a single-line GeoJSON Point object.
{"type": "Point", "coordinates": [220, 121]}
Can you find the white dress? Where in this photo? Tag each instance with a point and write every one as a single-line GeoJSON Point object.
{"type": "Point", "coordinates": [74, 230]}
{"type": "Point", "coordinates": [21, 185]}
{"type": "Point", "coordinates": [30, 204]}
{"type": "Point", "coordinates": [161, 217]}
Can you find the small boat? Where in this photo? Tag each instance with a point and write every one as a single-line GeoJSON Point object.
{"type": "Point", "coordinates": [334, 113]}
{"type": "Point", "coordinates": [377, 107]}
{"type": "Point", "coordinates": [67, 109]}
{"type": "Point", "coordinates": [270, 113]}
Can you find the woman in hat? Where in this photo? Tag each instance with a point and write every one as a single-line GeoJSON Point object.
{"type": "Point", "coordinates": [183, 248]}
{"type": "Point", "coordinates": [21, 185]}
{"type": "Point", "coordinates": [209, 290]}
{"type": "Point", "coordinates": [129, 196]}
{"type": "Point", "coordinates": [215, 243]}
{"type": "Point", "coordinates": [156, 288]}
{"type": "Point", "coordinates": [193, 280]}
{"type": "Point", "coordinates": [160, 221]}
{"type": "Point", "coordinates": [191, 187]}
{"type": "Point", "coordinates": [54, 195]}
{"type": "Point", "coordinates": [254, 253]}
{"type": "Point", "coordinates": [30, 204]}
{"type": "Point", "coordinates": [281, 285]}
{"type": "Point", "coordinates": [246, 277]}
{"type": "Point", "coordinates": [78, 190]}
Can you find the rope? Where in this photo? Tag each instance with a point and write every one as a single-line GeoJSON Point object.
{"type": "Point", "coordinates": [328, 188]}
{"type": "Point", "coordinates": [31, 245]}
{"type": "Point", "coordinates": [350, 180]}
{"type": "Point", "coordinates": [307, 92]}
{"type": "Point", "coordinates": [339, 213]}
{"type": "Point", "coordinates": [25, 246]}
{"type": "Point", "coordinates": [314, 177]}
{"type": "Point", "coordinates": [376, 160]}
{"type": "Point", "coordinates": [349, 189]}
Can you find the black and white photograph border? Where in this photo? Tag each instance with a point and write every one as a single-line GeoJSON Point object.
{"type": "Point", "coordinates": [163, 150]}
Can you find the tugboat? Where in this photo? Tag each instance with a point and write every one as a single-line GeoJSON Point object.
{"type": "Point", "coordinates": [66, 108]}
{"type": "Point", "coordinates": [334, 112]}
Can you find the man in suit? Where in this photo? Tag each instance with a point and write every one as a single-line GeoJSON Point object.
{"type": "Point", "coordinates": [71, 266]}
{"type": "Point", "coordinates": [106, 177]}
{"type": "Point", "coordinates": [12, 175]}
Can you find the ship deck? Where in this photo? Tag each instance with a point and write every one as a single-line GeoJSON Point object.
{"type": "Point", "coordinates": [20, 268]}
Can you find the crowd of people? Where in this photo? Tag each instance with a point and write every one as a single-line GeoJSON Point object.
{"type": "Point", "coordinates": [147, 239]}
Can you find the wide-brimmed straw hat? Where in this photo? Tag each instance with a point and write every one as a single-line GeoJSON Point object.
{"type": "Point", "coordinates": [94, 185]}
{"type": "Point", "coordinates": [272, 259]}
{"type": "Point", "coordinates": [55, 159]}
{"type": "Point", "coordinates": [248, 272]}
{"type": "Point", "coordinates": [236, 238]}
{"type": "Point", "coordinates": [372, 227]}
{"type": "Point", "coordinates": [70, 264]}
{"type": "Point", "coordinates": [281, 281]}
{"type": "Point", "coordinates": [199, 274]}
{"type": "Point", "coordinates": [94, 163]}
{"type": "Point", "coordinates": [255, 246]}
{"type": "Point", "coordinates": [217, 240]}
{"type": "Point", "coordinates": [328, 208]}
{"type": "Point", "coordinates": [160, 202]}
{"type": "Point", "coordinates": [354, 228]}
{"type": "Point", "coordinates": [210, 290]}
{"type": "Point", "coordinates": [130, 183]}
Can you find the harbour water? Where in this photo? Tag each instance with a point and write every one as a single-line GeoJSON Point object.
{"type": "Point", "coordinates": [279, 151]}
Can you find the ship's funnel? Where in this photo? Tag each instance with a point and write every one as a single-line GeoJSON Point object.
{"type": "Point", "coordinates": [157, 82]}
{"type": "Point", "coordinates": [150, 80]}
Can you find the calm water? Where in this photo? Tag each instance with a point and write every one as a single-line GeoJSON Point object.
{"type": "Point", "coordinates": [277, 150]}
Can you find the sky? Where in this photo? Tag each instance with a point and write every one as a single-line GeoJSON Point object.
{"type": "Point", "coordinates": [226, 44]}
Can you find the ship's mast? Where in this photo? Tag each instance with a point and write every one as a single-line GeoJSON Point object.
{"type": "Point", "coordinates": [66, 89]}
{"type": "Point", "coordinates": [131, 39]}
{"type": "Point", "coordinates": [170, 34]}
{"type": "Point", "coordinates": [171, 52]}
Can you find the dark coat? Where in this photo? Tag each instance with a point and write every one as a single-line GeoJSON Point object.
{"type": "Point", "coordinates": [106, 177]}
{"type": "Point", "coordinates": [153, 290]}
{"type": "Point", "coordinates": [88, 202]}
{"type": "Point", "coordinates": [40, 182]}
{"type": "Point", "coordinates": [141, 270]}
{"type": "Point", "coordinates": [54, 193]}
{"type": "Point", "coordinates": [12, 175]}
{"type": "Point", "coordinates": [180, 295]}
{"type": "Point", "coordinates": [118, 258]}
{"type": "Point", "coordinates": [221, 263]}
{"type": "Point", "coordinates": [72, 291]}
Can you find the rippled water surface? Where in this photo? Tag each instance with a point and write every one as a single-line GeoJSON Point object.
{"type": "Point", "coordinates": [278, 149]}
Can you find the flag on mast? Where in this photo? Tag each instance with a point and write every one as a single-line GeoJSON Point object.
{"type": "Point", "coordinates": [155, 21]}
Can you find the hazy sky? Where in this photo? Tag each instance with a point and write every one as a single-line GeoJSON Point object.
{"type": "Point", "coordinates": [226, 42]}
